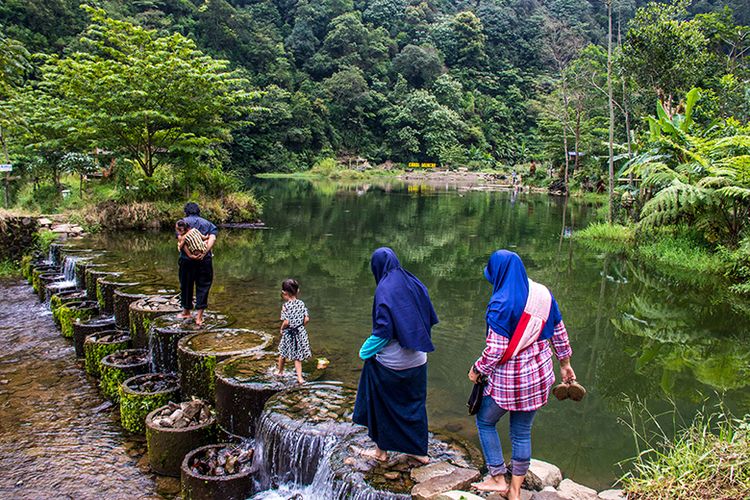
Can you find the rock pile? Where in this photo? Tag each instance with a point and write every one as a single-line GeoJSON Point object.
{"type": "Point", "coordinates": [222, 461]}
{"type": "Point", "coordinates": [179, 416]}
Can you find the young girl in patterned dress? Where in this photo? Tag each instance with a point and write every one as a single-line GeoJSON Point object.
{"type": "Point", "coordinates": [294, 344]}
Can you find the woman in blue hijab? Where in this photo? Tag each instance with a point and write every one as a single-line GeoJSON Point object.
{"type": "Point", "coordinates": [523, 319]}
{"type": "Point", "coordinates": [393, 384]}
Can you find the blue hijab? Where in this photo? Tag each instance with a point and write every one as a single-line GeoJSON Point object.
{"type": "Point", "coordinates": [402, 309]}
{"type": "Point", "coordinates": [510, 290]}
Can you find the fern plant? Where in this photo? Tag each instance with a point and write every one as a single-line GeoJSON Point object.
{"type": "Point", "coordinates": [698, 177]}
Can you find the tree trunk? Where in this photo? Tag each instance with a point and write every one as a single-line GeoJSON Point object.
{"type": "Point", "coordinates": [7, 160]}
{"type": "Point", "coordinates": [565, 126]}
{"type": "Point", "coordinates": [579, 112]}
{"type": "Point", "coordinates": [610, 215]}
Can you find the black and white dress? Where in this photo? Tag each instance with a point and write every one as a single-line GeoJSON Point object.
{"type": "Point", "coordinates": [294, 341]}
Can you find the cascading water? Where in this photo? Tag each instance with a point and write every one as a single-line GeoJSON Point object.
{"type": "Point", "coordinates": [68, 283]}
{"type": "Point", "coordinates": [69, 268]}
{"type": "Point", "coordinates": [298, 428]}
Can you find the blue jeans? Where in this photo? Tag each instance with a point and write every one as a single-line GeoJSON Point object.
{"type": "Point", "coordinates": [520, 438]}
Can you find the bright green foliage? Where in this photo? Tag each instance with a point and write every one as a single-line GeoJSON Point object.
{"type": "Point", "coordinates": [701, 177]}
{"type": "Point", "coordinates": [149, 98]}
{"type": "Point", "coordinates": [333, 74]}
{"type": "Point", "coordinates": [665, 52]}
{"type": "Point", "coordinates": [14, 63]}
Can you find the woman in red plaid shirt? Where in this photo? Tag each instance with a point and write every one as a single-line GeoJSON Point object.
{"type": "Point", "coordinates": [522, 319]}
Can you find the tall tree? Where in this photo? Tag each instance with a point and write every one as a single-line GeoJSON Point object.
{"type": "Point", "coordinates": [665, 52]}
{"type": "Point", "coordinates": [563, 46]}
{"type": "Point", "coordinates": [149, 98]}
{"type": "Point", "coordinates": [611, 104]}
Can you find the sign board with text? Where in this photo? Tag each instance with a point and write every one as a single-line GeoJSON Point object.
{"type": "Point", "coordinates": [417, 164]}
{"type": "Point", "coordinates": [6, 167]}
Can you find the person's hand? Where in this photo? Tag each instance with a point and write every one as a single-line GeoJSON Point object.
{"type": "Point", "coordinates": [568, 375]}
{"type": "Point", "coordinates": [473, 376]}
{"type": "Point", "coordinates": [199, 256]}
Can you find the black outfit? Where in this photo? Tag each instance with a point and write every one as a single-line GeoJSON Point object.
{"type": "Point", "coordinates": [198, 274]}
{"type": "Point", "coordinates": [391, 404]}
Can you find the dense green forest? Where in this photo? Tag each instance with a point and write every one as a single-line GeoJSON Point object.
{"type": "Point", "coordinates": [476, 84]}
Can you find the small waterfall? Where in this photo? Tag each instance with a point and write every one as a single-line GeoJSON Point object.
{"type": "Point", "coordinates": [69, 268]}
{"type": "Point", "coordinates": [68, 283]}
{"type": "Point", "coordinates": [152, 345]}
{"type": "Point", "coordinates": [292, 457]}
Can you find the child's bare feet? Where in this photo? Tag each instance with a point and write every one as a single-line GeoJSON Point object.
{"type": "Point", "coordinates": [184, 315]}
{"type": "Point", "coordinates": [300, 380]}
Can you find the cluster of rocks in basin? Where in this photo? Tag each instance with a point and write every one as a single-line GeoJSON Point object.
{"type": "Point", "coordinates": [544, 481]}
{"type": "Point", "coordinates": [181, 415]}
{"type": "Point", "coordinates": [222, 461]}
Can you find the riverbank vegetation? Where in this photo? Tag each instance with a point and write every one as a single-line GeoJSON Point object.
{"type": "Point", "coordinates": [125, 127]}
{"type": "Point", "coordinates": [557, 91]}
{"type": "Point", "coordinates": [706, 459]}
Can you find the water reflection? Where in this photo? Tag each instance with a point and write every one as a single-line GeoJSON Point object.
{"type": "Point", "coordinates": [634, 333]}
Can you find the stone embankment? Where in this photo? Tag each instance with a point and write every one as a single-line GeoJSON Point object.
{"type": "Point", "coordinates": [207, 396]}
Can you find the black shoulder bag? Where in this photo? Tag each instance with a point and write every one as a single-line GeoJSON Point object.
{"type": "Point", "coordinates": [477, 392]}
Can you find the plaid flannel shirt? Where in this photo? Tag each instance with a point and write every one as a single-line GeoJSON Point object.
{"type": "Point", "coordinates": [523, 383]}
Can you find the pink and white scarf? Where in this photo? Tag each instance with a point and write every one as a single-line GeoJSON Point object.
{"type": "Point", "coordinates": [534, 317]}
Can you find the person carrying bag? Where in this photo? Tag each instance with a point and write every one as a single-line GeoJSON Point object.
{"type": "Point", "coordinates": [523, 319]}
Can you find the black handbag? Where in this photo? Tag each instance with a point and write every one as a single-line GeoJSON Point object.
{"type": "Point", "coordinates": [477, 392]}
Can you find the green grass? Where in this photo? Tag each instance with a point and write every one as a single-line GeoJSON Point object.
{"type": "Point", "coordinates": [679, 253]}
{"type": "Point", "coordinates": [672, 251]}
{"type": "Point", "coordinates": [708, 459]}
{"type": "Point", "coordinates": [603, 237]}
{"type": "Point", "coordinates": [48, 200]}
{"type": "Point", "coordinates": [9, 269]}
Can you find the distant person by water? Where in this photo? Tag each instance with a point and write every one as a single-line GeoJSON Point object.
{"type": "Point", "coordinates": [522, 317]}
{"type": "Point", "coordinates": [294, 344]}
{"type": "Point", "coordinates": [196, 269]}
{"type": "Point", "coordinates": [393, 384]}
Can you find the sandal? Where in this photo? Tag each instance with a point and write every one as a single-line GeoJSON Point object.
{"type": "Point", "coordinates": [561, 391]}
{"type": "Point", "coordinates": [576, 391]}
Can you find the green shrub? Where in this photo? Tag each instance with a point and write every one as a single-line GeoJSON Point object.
{"type": "Point", "coordinates": [241, 206]}
{"type": "Point", "coordinates": [325, 167]}
{"type": "Point", "coordinates": [45, 238]}
{"type": "Point", "coordinates": [9, 269]}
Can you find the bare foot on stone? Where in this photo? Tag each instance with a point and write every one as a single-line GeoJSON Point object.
{"type": "Point", "coordinates": [422, 459]}
{"type": "Point", "coordinates": [374, 454]}
{"type": "Point", "coordinates": [491, 484]}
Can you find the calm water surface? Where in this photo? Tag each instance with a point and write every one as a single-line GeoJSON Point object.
{"type": "Point", "coordinates": [636, 335]}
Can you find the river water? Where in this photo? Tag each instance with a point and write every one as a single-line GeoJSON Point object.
{"type": "Point", "coordinates": [637, 335]}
